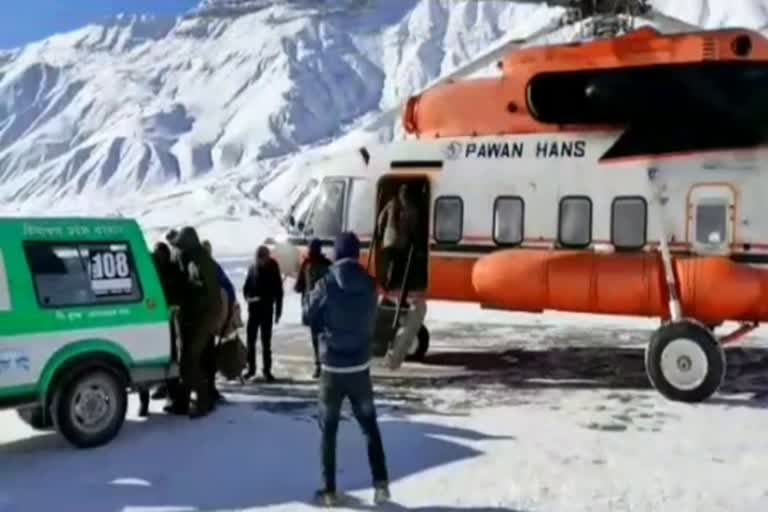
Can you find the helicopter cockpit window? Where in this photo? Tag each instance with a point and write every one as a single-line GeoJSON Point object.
{"type": "Point", "coordinates": [301, 207]}
{"type": "Point", "coordinates": [326, 218]}
{"type": "Point", "coordinates": [712, 223]}
{"type": "Point", "coordinates": [575, 222]}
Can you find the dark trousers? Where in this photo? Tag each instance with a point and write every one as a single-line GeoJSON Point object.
{"type": "Point", "coordinates": [144, 398]}
{"type": "Point", "coordinates": [394, 260]}
{"type": "Point", "coordinates": [194, 375]}
{"type": "Point", "coordinates": [209, 364]}
{"type": "Point", "coordinates": [260, 319]}
{"type": "Point", "coordinates": [315, 345]}
{"type": "Point", "coordinates": [334, 388]}
{"type": "Point", "coordinates": [170, 385]}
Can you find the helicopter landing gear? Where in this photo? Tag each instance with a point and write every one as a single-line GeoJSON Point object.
{"type": "Point", "coordinates": [685, 361]}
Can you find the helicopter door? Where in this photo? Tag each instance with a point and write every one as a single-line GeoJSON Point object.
{"type": "Point", "coordinates": [401, 235]}
{"type": "Point", "coordinates": [711, 218]}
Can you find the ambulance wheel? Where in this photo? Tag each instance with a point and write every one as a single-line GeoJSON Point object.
{"type": "Point", "coordinates": [34, 417]}
{"type": "Point", "coordinates": [89, 406]}
{"type": "Point", "coordinates": [685, 362]}
{"type": "Point", "coordinates": [420, 345]}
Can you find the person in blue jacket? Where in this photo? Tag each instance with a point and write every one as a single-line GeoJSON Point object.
{"type": "Point", "coordinates": [342, 307]}
{"type": "Point", "coordinates": [209, 356]}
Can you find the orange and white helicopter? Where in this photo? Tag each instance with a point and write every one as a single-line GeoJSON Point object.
{"type": "Point", "coordinates": [625, 175]}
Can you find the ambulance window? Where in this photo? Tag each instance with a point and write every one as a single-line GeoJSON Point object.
{"type": "Point", "coordinates": [575, 222]}
{"type": "Point", "coordinates": [360, 216]}
{"type": "Point", "coordinates": [712, 222]}
{"type": "Point", "coordinates": [82, 274]}
{"type": "Point", "coordinates": [327, 216]}
{"type": "Point", "coordinates": [508, 214]}
{"type": "Point", "coordinates": [5, 292]}
{"type": "Point", "coordinates": [449, 219]}
{"type": "Point", "coordinates": [629, 222]}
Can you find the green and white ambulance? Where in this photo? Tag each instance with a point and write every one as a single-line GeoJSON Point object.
{"type": "Point", "coordinates": [83, 320]}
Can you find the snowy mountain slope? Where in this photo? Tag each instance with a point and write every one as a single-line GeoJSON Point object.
{"type": "Point", "coordinates": [96, 119]}
{"type": "Point", "coordinates": [139, 102]}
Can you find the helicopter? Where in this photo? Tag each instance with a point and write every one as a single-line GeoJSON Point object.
{"type": "Point", "coordinates": [622, 175]}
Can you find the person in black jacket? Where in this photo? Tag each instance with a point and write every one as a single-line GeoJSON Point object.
{"type": "Point", "coordinates": [312, 269]}
{"type": "Point", "coordinates": [172, 282]}
{"type": "Point", "coordinates": [263, 291]}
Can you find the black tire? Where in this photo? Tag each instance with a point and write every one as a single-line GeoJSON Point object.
{"type": "Point", "coordinates": [422, 340]}
{"type": "Point", "coordinates": [34, 417]}
{"type": "Point", "coordinates": [104, 383]}
{"type": "Point", "coordinates": [690, 345]}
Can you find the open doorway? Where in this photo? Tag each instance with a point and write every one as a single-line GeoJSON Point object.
{"type": "Point", "coordinates": [402, 233]}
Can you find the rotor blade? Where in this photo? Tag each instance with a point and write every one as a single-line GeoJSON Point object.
{"type": "Point", "coordinates": [668, 22]}
{"type": "Point", "coordinates": [477, 64]}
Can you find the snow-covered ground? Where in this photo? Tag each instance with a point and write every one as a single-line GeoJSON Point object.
{"type": "Point", "coordinates": [510, 412]}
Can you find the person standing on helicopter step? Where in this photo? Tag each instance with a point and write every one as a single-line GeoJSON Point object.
{"type": "Point", "coordinates": [209, 357]}
{"type": "Point", "coordinates": [312, 269]}
{"type": "Point", "coordinates": [199, 318]}
{"type": "Point", "coordinates": [397, 224]}
{"type": "Point", "coordinates": [263, 291]}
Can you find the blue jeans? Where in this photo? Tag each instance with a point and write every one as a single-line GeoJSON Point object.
{"type": "Point", "coordinates": [334, 387]}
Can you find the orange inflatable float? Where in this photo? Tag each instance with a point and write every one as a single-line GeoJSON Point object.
{"type": "Point", "coordinates": [710, 288]}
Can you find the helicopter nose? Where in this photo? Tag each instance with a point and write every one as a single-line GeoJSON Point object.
{"type": "Point", "coordinates": [288, 256]}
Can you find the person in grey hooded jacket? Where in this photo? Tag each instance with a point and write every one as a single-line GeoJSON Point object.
{"type": "Point", "coordinates": [342, 308]}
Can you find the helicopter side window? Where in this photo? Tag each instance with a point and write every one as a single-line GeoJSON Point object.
{"type": "Point", "coordinates": [508, 214]}
{"type": "Point", "coordinates": [629, 223]}
{"type": "Point", "coordinates": [326, 219]}
{"type": "Point", "coordinates": [449, 219]}
{"type": "Point", "coordinates": [575, 222]}
{"type": "Point", "coordinates": [712, 223]}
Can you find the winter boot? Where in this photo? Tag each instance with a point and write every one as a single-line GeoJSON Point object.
{"type": "Point", "coordinates": [179, 400]}
{"type": "Point", "coordinates": [160, 393]}
{"type": "Point", "coordinates": [326, 498]}
{"type": "Point", "coordinates": [381, 493]}
{"type": "Point", "coordinates": [204, 404]}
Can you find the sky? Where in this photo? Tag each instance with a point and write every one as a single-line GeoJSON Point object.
{"type": "Point", "coordinates": [25, 21]}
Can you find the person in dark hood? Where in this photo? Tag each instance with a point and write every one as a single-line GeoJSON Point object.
{"type": "Point", "coordinates": [172, 282]}
{"type": "Point", "coordinates": [200, 311]}
{"type": "Point", "coordinates": [312, 269]}
{"type": "Point", "coordinates": [263, 291]}
{"type": "Point", "coordinates": [209, 356]}
{"type": "Point", "coordinates": [342, 307]}
{"type": "Point", "coordinates": [171, 276]}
